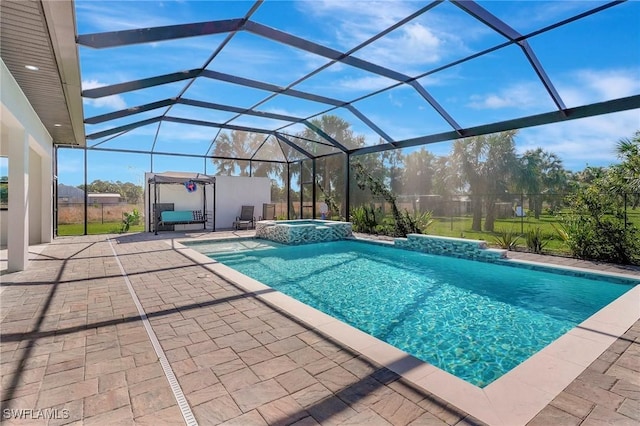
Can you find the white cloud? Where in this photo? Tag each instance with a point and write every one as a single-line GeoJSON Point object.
{"type": "Point", "coordinates": [310, 61]}
{"type": "Point", "coordinates": [115, 102]}
{"type": "Point", "coordinates": [406, 49]}
{"type": "Point", "coordinates": [526, 16]}
{"type": "Point", "coordinates": [294, 128]}
{"type": "Point", "coordinates": [198, 136]}
{"type": "Point", "coordinates": [580, 142]}
{"type": "Point", "coordinates": [264, 61]}
{"type": "Point", "coordinates": [283, 111]}
{"type": "Point", "coordinates": [578, 88]}
{"type": "Point", "coordinates": [585, 86]}
{"type": "Point", "coordinates": [393, 101]}
{"type": "Point", "coordinates": [368, 83]}
{"type": "Point", "coordinates": [105, 16]}
{"type": "Point", "coordinates": [357, 21]}
{"type": "Point", "coordinates": [609, 84]}
{"type": "Point", "coordinates": [258, 122]}
{"type": "Point", "coordinates": [413, 44]}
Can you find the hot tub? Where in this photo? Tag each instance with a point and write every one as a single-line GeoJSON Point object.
{"type": "Point", "coordinates": [302, 231]}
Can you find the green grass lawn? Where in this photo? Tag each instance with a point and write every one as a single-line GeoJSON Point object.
{"type": "Point", "coordinates": [95, 228]}
{"type": "Point", "coordinates": [461, 227]}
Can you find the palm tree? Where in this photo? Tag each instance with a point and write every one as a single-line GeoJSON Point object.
{"type": "Point", "coordinates": [528, 179]}
{"type": "Point", "coordinates": [539, 173]}
{"type": "Point", "coordinates": [232, 151]}
{"type": "Point", "coordinates": [330, 177]}
{"type": "Point", "coordinates": [555, 179]}
{"type": "Point", "coordinates": [445, 176]}
{"type": "Point", "coordinates": [394, 164]}
{"type": "Point", "coordinates": [628, 151]}
{"type": "Point", "coordinates": [418, 173]}
{"type": "Point", "coordinates": [485, 164]}
{"type": "Point", "coordinates": [467, 155]}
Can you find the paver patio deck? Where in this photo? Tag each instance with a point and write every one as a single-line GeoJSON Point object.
{"type": "Point", "coordinates": [73, 346]}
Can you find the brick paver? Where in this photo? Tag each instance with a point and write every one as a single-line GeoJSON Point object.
{"type": "Point", "coordinates": [608, 391]}
{"type": "Point", "coordinates": [72, 340]}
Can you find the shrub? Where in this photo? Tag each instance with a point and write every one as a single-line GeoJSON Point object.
{"type": "Point", "coordinates": [507, 239]}
{"type": "Point", "coordinates": [363, 219]}
{"type": "Point", "coordinates": [596, 228]}
{"type": "Point", "coordinates": [606, 240]}
{"type": "Point", "coordinates": [132, 218]}
{"type": "Point", "coordinates": [536, 240]}
{"type": "Point", "coordinates": [416, 223]}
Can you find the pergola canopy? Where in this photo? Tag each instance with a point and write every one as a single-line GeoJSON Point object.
{"type": "Point", "coordinates": [181, 178]}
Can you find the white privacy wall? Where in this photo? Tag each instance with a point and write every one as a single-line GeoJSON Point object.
{"type": "Point", "coordinates": [29, 148]}
{"type": "Point", "coordinates": [233, 192]}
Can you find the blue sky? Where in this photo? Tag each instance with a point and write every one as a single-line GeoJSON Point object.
{"type": "Point", "coordinates": [588, 61]}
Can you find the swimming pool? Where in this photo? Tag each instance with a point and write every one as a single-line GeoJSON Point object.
{"type": "Point", "coordinates": [475, 320]}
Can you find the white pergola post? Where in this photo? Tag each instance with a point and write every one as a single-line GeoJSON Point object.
{"type": "Point", "coordinates": [18, 220]}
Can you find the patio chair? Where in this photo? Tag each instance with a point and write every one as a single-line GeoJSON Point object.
{"type": "Point", "coordinates": [268, 212]}
{"type": "Point", "coordinates": [246, 219]}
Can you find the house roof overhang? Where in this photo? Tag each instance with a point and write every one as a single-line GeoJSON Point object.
{"type": "Point", "coordinates": [42, 34]}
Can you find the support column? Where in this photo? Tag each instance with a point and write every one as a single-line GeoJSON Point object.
{"type": "Point", "coordinates": [288, 191]}
{"type": "Point", "coordinates": [46, 207]}
{"type": "Point", "coordinates": [347, 186]}
{"type": "Point", "coordinates": [313, 188]}
{"type": "Point", "coordinates": [18, 221]}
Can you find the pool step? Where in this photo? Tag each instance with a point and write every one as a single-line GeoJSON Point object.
{"type": "Point", "coordinates": [229, 256]}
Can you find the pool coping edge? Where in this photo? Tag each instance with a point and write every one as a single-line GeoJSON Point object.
{"type": "Point", "coordinates": [513, 399]}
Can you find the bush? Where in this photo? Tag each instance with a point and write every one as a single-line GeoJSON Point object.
{"type": "Point", "coordinates": [507, 239]}
{"type": "Point", "coordinates": [363, 219]}
{"type": "Point", "coordinates": [132, 218]}
{"type": "Point", "coordinates": [416, 223]}
{"type": "Point", "coordinates": [370, 220]}
{"type": "Point", "coordinates": [536, 240]}
{"type": "Point", "coordinates": [605, 240]}
{"type": "Point", "coordinates": [596, 228]}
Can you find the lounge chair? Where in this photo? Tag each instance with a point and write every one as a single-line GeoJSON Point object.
{"type": "Point", "coordinates": [268, 212]}
{"type": "Point", "coordinates": [246, 219]}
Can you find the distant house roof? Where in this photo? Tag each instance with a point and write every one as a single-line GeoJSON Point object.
{"type": "Point", "coordinates": [67, 191]}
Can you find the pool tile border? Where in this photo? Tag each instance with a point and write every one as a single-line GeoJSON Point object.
{"type": "Point", "coordinates": [514, 398]}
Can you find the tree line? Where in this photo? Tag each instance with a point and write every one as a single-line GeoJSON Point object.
{"type": "Point", "coordinates": [130, 192]}
{"type": "Point", "coordinates": [486, 168]}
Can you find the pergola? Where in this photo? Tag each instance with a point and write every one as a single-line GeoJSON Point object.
{"type": "Point", "coordinates": [175, 96]}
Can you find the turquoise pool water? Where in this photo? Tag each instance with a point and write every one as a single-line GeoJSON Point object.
{"type": "Point", "coordinates": [475, 320]}
{"type": "Point", "coordinates": [300, 222]}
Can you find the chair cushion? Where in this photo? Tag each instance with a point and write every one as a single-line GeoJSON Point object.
{"type": "Point", "coordinates": [176, 216]}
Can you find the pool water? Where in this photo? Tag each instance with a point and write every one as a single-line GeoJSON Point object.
{"type": "Point", "coordinates": [301, 222]}
{"type": "Point", "coordinates": [472, 319]}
